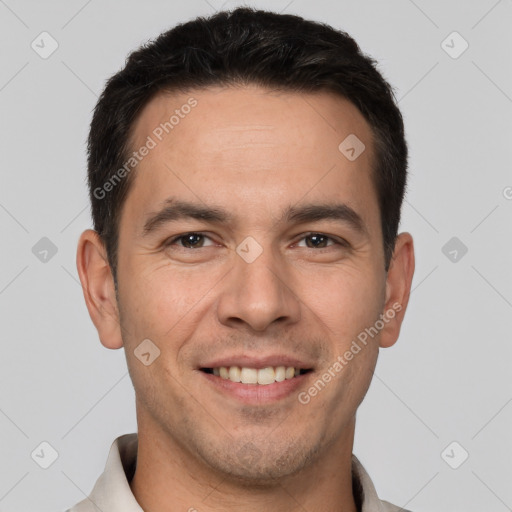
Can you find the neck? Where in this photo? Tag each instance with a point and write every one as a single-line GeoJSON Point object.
{"type": "Point", "coordinates": [169, 478]}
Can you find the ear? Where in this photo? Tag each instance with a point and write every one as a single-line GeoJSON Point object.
{"type": "Point", "coordinates": [98, 287]}
{"type": "Point", "coordinates": [398, 288]}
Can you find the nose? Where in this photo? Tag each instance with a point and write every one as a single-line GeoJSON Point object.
{"type": "Point", "coordinates": [258, 294]}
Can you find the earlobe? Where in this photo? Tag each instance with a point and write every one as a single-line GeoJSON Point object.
{"type": "Point", "coordinates": [398, 288]}
{"type": "Point", "coordinates": [98, 288]}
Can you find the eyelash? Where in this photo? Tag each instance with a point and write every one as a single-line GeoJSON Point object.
{"type": "Point", "coordinates": [340, 242]}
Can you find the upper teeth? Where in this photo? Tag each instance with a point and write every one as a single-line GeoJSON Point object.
{"type": "Point", "coordinates": [264, 376]}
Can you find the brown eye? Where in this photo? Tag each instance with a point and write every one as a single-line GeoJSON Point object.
{"type": "Point", "coordinates": [191, 241]}
{"type": "Point", "coordinates": [317, 241]}
{"type": "Point", "coordinates": [322, 241]}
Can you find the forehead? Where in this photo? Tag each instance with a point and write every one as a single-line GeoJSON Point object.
{"type": "Point", "coordinates": [252, 146]}
{"type": "Point", "coordinates": [276, 117]}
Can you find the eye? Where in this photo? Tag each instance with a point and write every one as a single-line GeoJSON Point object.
{"type": "Point", "coordinates": [319, 241]}
{"type": "Point", "coordinates": [190, 241]}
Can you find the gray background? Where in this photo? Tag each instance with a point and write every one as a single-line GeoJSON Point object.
{"type": "Point", "coordinates": [448, 377]}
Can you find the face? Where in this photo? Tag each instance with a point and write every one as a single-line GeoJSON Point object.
{"type": "Point", "coordinates": [250, 248]}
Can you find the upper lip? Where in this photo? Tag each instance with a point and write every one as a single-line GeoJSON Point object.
{"type": "Point", "coordinates": [258, 362]}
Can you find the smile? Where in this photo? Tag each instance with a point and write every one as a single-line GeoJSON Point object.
{"type": "Point", "coordinates": [258, 376]}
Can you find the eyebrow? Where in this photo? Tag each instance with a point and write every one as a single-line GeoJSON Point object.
{"type": "Point", "coordinates": [174, 209]}
{"type": "Point", "coordinates": [316, 212]}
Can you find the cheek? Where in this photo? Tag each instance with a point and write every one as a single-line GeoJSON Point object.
{"type": "Point", "coordinates": [346, 302]}
{"type": "Point", "coordinates": [164, 306]}
{"type": "Point", "coordinates": [165, 302]}
{"type": "Point", "coordinates": [354, 379]}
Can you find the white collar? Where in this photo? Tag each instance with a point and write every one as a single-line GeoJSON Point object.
{"type": "Point", "coordinates": [112, 492]}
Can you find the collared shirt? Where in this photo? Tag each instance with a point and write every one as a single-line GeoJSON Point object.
{"type": "Point", "coordinates": [112, 492]}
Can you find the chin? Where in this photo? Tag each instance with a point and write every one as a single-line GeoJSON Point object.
{"type": "Point", "coordinates": [253, 464]}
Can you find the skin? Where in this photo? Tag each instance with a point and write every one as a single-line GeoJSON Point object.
{"type": "Point", "coordinates": [253, 152]}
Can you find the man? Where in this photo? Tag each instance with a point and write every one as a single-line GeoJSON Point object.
{"type": "Point", "coordinates": [246, 174]}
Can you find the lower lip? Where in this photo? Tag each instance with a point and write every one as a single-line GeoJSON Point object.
{"type": "Point", "coordinates": [257, 393]}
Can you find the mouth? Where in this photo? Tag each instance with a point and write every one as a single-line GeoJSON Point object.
{"type": "Point", "coordinates": [256, 376]}
{"type": "Point", "coordinates": [256, 379]}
